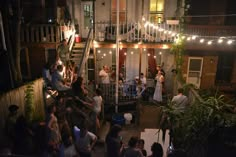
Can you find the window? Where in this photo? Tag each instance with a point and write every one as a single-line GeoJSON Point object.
{"type": "Point", "coordinates": [122, 11]}
{"type": "Point", "coordinates": [88, 15]}
{"type": "Point", "coordinates": [156, 10]}
{"type": "Point", "coordinates": [224, 68]}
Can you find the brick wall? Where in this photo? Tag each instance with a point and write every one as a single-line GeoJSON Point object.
{"type": "Point", "coordinates": [209, 71]}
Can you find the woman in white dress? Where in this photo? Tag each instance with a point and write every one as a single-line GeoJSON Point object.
{"type": "Point", "coordinates": [158, 90]}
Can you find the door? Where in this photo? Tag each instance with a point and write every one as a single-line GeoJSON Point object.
{"type": "Point", "coordinates": [194, 72]}
{"type": "Point", "coordinates": [87, 18]}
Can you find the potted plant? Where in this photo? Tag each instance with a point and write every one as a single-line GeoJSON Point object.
{"type": "Point", "coordinates": [193, 129]}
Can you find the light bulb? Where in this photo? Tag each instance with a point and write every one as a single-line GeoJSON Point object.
{"type": "Point", "coordinates": [220, 41]}
{"type": "Point", "coordinates": [202, 41]}
{"type": "Point", "coordinates": [209, 42]}
{"type": "Point", "coordinates": [194, 37]}
{"type": "Point", "coordinates": [229, 42]}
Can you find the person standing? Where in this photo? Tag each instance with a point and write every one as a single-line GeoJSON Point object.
{"type": "Point", "coordinates": [158, 90]}
{"type": "Point", "coordinates": [104, 75]}
{"type": "Point", "coordinates": [11, 121]}
{"type": "Point", "coordinates": [133, 150]}
{"type": "Point", "coordinates": [63, 52]}
{"type": "Point", "coordinates": [113, 142]}
{"type": "Point", "coordinates": [157, 150]}
{"type": "Point", "coordinates": [54, 140]}
{"type": "Point", "coordinates": [141, 147]}
{"type": "Point", "coordinates": [86, 141]}
{"type": "Point", "coordinates": [180, 100]}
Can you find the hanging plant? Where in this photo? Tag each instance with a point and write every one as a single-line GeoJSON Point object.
{"type": "Point", "coordinates": [29, 102]}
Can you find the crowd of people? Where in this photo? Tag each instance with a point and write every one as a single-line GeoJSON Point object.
{"type": "Point", "coordinates": [134, 148]}
{"type": "Point", "coordinates": [60, 135]}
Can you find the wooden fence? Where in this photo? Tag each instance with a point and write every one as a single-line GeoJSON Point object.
{"type": "Point", "coordinates": [17, 96]}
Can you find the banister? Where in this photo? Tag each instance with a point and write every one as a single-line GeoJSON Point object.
{"type": "Point", "coordinates": [85, 52]}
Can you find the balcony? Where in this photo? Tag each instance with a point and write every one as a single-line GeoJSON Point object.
{"type": "Point", "coordinates": [136, 32]}
{"type": "Point", "coordinates": [210, 30]}
{"type": "Point", "coordinates": [45, 33]}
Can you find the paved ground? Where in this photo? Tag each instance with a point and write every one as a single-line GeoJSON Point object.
{"type": "Point", "coordinates": [149, 118]}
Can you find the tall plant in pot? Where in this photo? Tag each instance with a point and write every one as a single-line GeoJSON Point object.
{"type": "Point", "coordinates": [192, 129]}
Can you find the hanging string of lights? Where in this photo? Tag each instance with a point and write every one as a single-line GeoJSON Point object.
{"type": "Point", "coordinates": [209, 40]}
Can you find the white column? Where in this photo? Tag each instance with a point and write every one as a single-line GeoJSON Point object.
{"type": "Point", "coordinates": [117, 51]}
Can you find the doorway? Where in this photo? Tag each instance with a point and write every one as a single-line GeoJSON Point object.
{"type": "Point", "coordinates": [86, 18]}
{"type": "Point", "coordinates": [194, 72]}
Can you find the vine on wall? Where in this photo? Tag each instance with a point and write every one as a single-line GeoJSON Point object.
{"type": "Point", "coordinates": [29, 102]}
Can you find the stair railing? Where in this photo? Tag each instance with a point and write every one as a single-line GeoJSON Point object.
{"type": "Point", "coordinates": [85, 52]}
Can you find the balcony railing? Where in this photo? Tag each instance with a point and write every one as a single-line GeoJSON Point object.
{"type": "Point", "coordinates": [40, 33]}
{"type": "Point", "coordinates": [127, 92]}
{"type": "Point", "coordinates": [45, 33]}
{"type": "Point", "coordinates": [136, 31]}
{"type": "Point", "coordinates": [210, 30]}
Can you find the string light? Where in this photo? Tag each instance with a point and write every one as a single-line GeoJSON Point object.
{"type": "Point", "coordinates": [202, 41]}
{"type": "Point", "coordinates": [132, 52]}
{"type": "Point", "coordinates": [99, 51]}
{"type": "Point", "coordinates": [104, 54]}
{"type": "Point", "coordinates": [148, 54]}
{"type": "Point", "coordinates": [220, 41]}
{"type": "Point", "coordinates": [160, 53]}
{"type": "Point", "coordinates": [209, 42]}
{"type": "Point", "coordinates": [229, 42]}
{"type": "Point", "coordinates": [110, 52]}
{"type": "Point", "coordinates": [194, 37]}
{"type": "Point", "coordinates": [189, 37]}
{"type": "Point", "coordinates": [125, 53]}
{"type": "Point", "coordinates": [154, 56]}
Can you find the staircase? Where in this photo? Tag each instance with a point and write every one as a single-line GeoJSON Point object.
{"type": "Point", "coordinates": [77, 52]}
{"type": "Point", "coordinates": [80, 52]}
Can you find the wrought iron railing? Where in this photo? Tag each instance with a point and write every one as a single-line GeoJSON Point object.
{"type": "Point", "coordinates": [127, 92]}
{"type": "Point", "coordinates": [136, 31]}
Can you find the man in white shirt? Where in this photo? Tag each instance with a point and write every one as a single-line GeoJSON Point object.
{"type": "Point", "coordinates": [180, 100]}
{"type": "Point", "coordinates": [103, 74]}
{"type": "Point", "coordinates": [58, 82]}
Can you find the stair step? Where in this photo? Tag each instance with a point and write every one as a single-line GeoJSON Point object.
{"type": "Point", "coordinates": [77, 50]}
{"type": "Point", "coordinates": [77, 55]}
{"type": "Point", "coordinates": [79, 44]}
{"type": "Point", "coordinates": [75, 59]}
